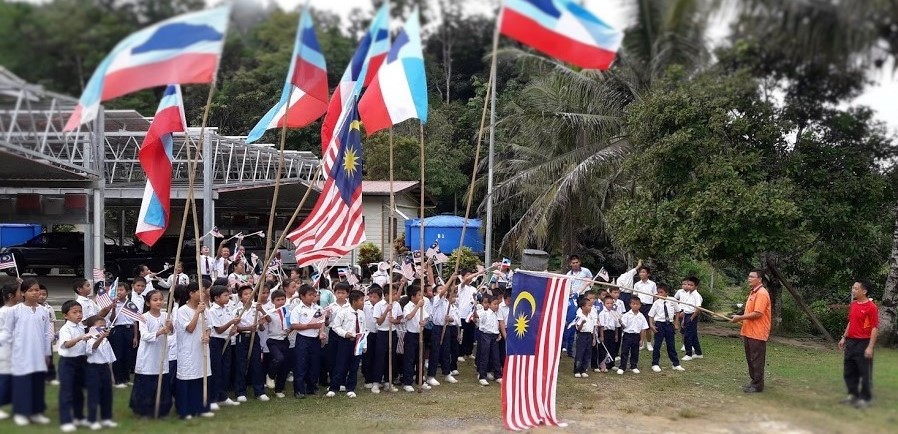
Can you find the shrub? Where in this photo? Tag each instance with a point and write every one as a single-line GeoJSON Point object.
{"type": "Point", "coordinates": [369, 253]}
{"type": "Point", "coordinates": [468, 260]}
{"type": "Point", "coordinates": [794, 319]}
{"type": "Point", "coordinates": [833, 317]}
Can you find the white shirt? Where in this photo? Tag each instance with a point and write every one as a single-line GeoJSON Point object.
{"type": "Point", "coordinates": [218, 316]}
{"type": "Point", "coordinates": [619, 307]}
{"type": "Point", "coordinates": [413, 325]}
{"type": "Point", "coordinates": [379, 308]}
{"type": "Point", "coordinates": [503, 312]}
{"type": "Point", "coordinates": [23, 326]}
{"type": "Point", "coordinates": [439, 309]}
{"type": "Point", "coordinates": [173, 339]}
{"type": "Point", "coordinates": [648, 287]}
{"type": "Point", "coordinates": [102, 355]}
{"type": "Point", "coordinates": [89, 307]}
{"type": "Point", "coordinates": [349, 320]}
{"type": "Point", "coordinates": [190, 346]}
{"type": "Point", "coordinates": [453, 312]}
{"type": "Point", "coordinates": [578, 286]}
{"type": "Point", "coordinates": [586, 322]}
{"type": "Point", "coordinates": [488, 322]}
{"type": "Point", "coordinates": [279, 327]}
{"type": "Point", "coordinates": [305, 314]}
{"type": "Point", "coordinates": [693, 298]}
{"type": "Point", "coordinates": [220, 267]}
{"type": "Point", "coordinates": [68, 332]}
{"type": "Point", "coordinates": [150, 349]}
{"type": "Point", "coordinates": [250, 316]}
{"type": "Point", "coordinates": [657, 311]}
{"type": "Point", "coordinates": [633, 322]}
{"type": "Point", "coordinates": [6, 344]}
{"type": "Point", "coordinates": [207, 265]}
{"type": "Point", "coordinates": [370, 321]}
{"type": "Point", "coordinates": [170, 282]}
{"type": "Point", "coordinates": [626, 280]}
{"type": "Point", "coordinates": [138, 299]}
{"type": "Point", "coordinates": [466, 300]}
{"type": "Point", "coordinates": [608, 320]}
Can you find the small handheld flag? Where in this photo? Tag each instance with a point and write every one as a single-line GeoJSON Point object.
{"type": "Point", "coordinates": [603, 273]}
{"type": "Point", "coordinates": [99, 275]}
{"type": "Point", "coordinates": [215, 232]}
{"type": "Point", "coordinates": [408, 268]}
{"type": "Point", "coordinates": [8, 260]}
{"type": "Point", "coordinates": [436, 254]}
{"type": "Point", "coordinates": [130, 310]}
{"type": "Point", "coordinates": [105, 296]}
{"type": "Point", "coordinates": [361, 343]}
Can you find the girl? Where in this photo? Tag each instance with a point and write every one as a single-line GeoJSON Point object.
{"type": "Point", "coordinates": [10, 294]}
{"type": "Point", "coordinates": [24, 325]}
{"type": "Point", "coordinates": [99, 388]}
{"type": "Point", "coordinates": [155, 335]}
{"type": "Point", "coordinates": [193, 355]}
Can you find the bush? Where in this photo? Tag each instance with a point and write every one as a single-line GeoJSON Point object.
{"type": "Point", "coordinates": [833, 318]}
{"type": "Point", "coordinates": [794, 319]}
{"type": "Point", "coordinates": [468, 260]}
{"type": "Point", "coordinates": [369, 253]}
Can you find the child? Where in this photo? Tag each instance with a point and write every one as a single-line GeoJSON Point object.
{"type": "Point", "coordinates": [123, 337]}
{"type": "Point", "coordinates": [222, 322]}
{"type": "Point", "coordinates": [381, 313]}
{"type": "Point", "coordinates": [278, 345]}
{"type": "Point", "coordinates": [689, 316]}
{"type": "Point", "coordinates": [72, 365]}
{"type": "Point", "coordinates": [439, 344]}
{"type": "Point", "coordinates": [88, 307]}
{"type": "Point", "coordinates": [633, 326]}
{"type": "Point", "coordinates": [192, 338]}
{"type": "Point", "coordinates": [341, 292]}
{"type": "Point", "coordinates": [488, 344]}
{"type": "Point", "coordinates": [24, 326]}
{"type": "Point", "coordinates": [10, 294]}
{"type": "Point", "coordinates": [307, 319]}
{"type": "Point", "coordinates": [348, 326]}
{"type": "Point", "coordinates": [99, 388]}
{"type": "Point", "coordinates": [504, 311]}
{"type": "Point", "coordinates": [415, 315]}
{"type": "Point", "coordinates": [51, 368]}
{"type": "Point", "coordinates": [452, 334]}
{"type": "Point", "coordinates": [646, 290]}
{"type": "Point", "coordinates": [375, 293]}
{"type": "Point", "coordinates": [155, 334]}
{"type": "Point", "coordinates": [206, 264]}
{"type": "Point", "coordinates": [662, 320]}
{"type": "Point", "coordinates": [586, 325]}
{"type": "Point", "coordinates": [248, 363]}
{"type": "Point", "coordinates": [608, 321]}
{"type": "Point", "coordinates": [176, 278]}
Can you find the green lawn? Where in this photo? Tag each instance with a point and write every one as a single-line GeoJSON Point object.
{"type": "Point", "coordinates": [803, 388]}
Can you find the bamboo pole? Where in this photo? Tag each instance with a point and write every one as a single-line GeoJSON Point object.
{"type": "Point", "coordinates": [390, 275]}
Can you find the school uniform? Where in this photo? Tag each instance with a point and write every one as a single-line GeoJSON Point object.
{"type": "Point", "coordinates": [413, 329]}
{"type": "Point", "coordinates": [220, 349]}
{"type": "Point", "coordinates": [206, 267]}
{"type": "Point", "coordinates": [585, 324]}
{"type": "Point", "coordinates": [329, 353]}
{"type": "Point", "coordinates": [23, 327]}
{"type": "Point", "coordinates": [121, 338]}
{"type": "Point", "coordinates": [439, 342]}
{"type": "Point", "coordinates": [381, 355]}
{"type": "Point", "coordinates": [608, 321]}
{"type": "Point", "coordinates": [466, 305]}
{"type": "Point", "coordinates": [248, 363]}
{"type": "Point", "coordinates": [503, 313]}
{"type": "Point", "coordinates": [632, 325]}
{"type": "Point", "coordinates": [147, 369]}
{"type": "Point", "coordinates": [51, 368]}
{"type": "Point", "coordinates": [626, 281]}
{"type": "Point", "coordinates": [307, 352]}
{"type": "Point", "coordinates": [173, 351]}
{"type": "Point", "coordinates": [452, 336]}
{"type": "Point", "coordinates": [597, 350]}
{"type": "Point", "coordinates": [191, 365]}
{"type": "Point", "coordinates": [72, 373]}
{"type": "Point", "coordinates": [348, 321]}
{"type": "Point", "coordinates": [664, 313]}
{"type": "Point", "coordinates": [280, 357]}
{"type": "Point", "coordinates": [644, 288]}
{"type": "Point", "coordinates": [89, 307]}
{"type": "Point", "coordinates": [487, 345]}
{"type": "Point", "coordinates": [220, 267]}
{"type": "Point", "coordinates": [99, 388]}
{"type": "Point", "coordinates": [371, 343]}
{"type": "Point", "coordinates": [690, 326]}
{"type": "Point", "coordinates": [5, 361]}
{"type": "Point", "coordinates": [174, 280]}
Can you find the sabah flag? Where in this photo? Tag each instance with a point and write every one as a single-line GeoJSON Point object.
{"type": "Point", "coordinates": [362, 67]}
{"type": "Point", "coordinates": [182, 49]}
{"type": "Point", "coordinates": [306, 85]}
{"type": "Point", "coordinates": [399, 91]}
{"type": "Point", "coordinates": [156, 159]}
{"type": "Point", "coordinates": [562, 29]}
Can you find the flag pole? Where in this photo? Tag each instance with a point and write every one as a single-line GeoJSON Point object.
{"type": "Point", "coordinates": [390, 276]}
{"type": "Point", "coordinates": [489, 176]}
{"type": "Point", "coordinates": [423, 262]}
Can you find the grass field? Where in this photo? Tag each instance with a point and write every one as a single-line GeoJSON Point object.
{"type": "Point", "coordinates": [804, 384]}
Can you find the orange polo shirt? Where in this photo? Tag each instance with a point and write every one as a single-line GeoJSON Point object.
{"type": "Point", "coordinates": [759, 328]}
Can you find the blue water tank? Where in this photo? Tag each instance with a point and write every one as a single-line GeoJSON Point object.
{"type": "Point", "coordinates": [447, 230]}
{"type": "Point", "coordinates": [12, 234]}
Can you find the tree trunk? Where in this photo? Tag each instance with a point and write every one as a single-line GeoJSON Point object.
{"type": "Point", "coordinates": [776, 296]}
{"type": "Point", "coordinates": [888, 307]}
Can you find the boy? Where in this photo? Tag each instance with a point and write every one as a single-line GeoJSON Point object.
{"type": "Point", "coordinates": [222, 263]}
{"type": "Point", "coordinates": [99, 388]}
{"type": "Point", "coordinates": [503, 313]}
{"type": "Point", "coordinates": [307, 319]}
{"type": "Point", "coordinates": [206, 264]}
{"type": "Point", "coordinates": [382, 315]}
{"type": "Point", "coordinates": [858, 342]}
{"type": "Point", "coordinates": [466, 305]}
{"type": "Point", "coordinates": [72, 364]}
{"type": "Point", "coordinates": [488, 344]}
{"type": "Point", "coordinates": [585, 324]}
{"type": "Point", "coordinates": [341, 293]}
{"type": "Point", "coordinates": [51, 312]}
{"type": "Point", "coordinates": [439, 344]}
{"type": "Point", "coordinates": [662, 320]}
{"type": "Point", "coordinates": [89, 307]}
{"type": "Point", "coordinates": [645, 289]}
{"type": "Point", "coordinates": [223, 322]}
{"type": "Point", "coordinates": [278, 345]}
{"type": "Point", "coordinates": [608, 322]}
{"type": "Point", "coordinates": [633, 327]}
{"type": "Point", "coordinates": [348, 326]}
{"type": "Point", "coordinates": [123, 337]}
{"type": "Point", "coordinates": [373, 297]}
{"type": "Point", "coordinates": [689, 317]}
{"type": "Point", "coordinates": [248, 355]}
{"type": "Point", "coordinates": [415, 316]}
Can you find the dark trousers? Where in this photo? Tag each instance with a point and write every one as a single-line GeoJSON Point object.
{"type": "Point", "coordinates": [220, 350]}
{"type": "Point", "coordinates": [467, 338]}
{"type": "Point", "coordinates": [598, 354]}
{"type": "Point", "coordinates": [629, 350]}
{"type": "Point", "coordinates": [454, 347]}
{"type": "Point", "coordinates": [755, 355]}
{"type": "Point", "coordinates": [307, 357]}
{"type": "Point", "coordinates": [613, 344]}
{"type": "Point", "coordinates": [99, 392]}
{"type": "Point", "coordinates": [71, 388]}
{"type": "Point", "coordinates": [51, 370]}
{"type": "Point", "coordinates": [122, 341]}
{"type": "Point", "coordinates": [625, 297]}
{"type": "Point", "coordinates": [439, 351]}
{"type": "Point", "coordinates": [189, 398]}
{"type": "Point", "coordinates": [858, 369]}
{"type": "Point", "coordinates": [346, 368]}
{"type": "Point", "coordinates": [279, 362]}
{"type": "Point", "coordinates": [488, 355]}
{"type": "Point", "coordinates": [329, 358]}
{"type": "Point", "coordinates": [381, 357]}
{"type": "Point", "coordinates": [690, 335]}
{"type": "Point", "coordinates": [368, 358]}
{"type": "Point", "coordinates": [409, 358]}
{"type": "Point", "coordinates": [5, 389]}
{"type": "Point", "coordinates": [248, 369]}
{"type": "Point", "coordinates": [665, 335]}
{"type": "Point", "coordinates": [584, 352]}
{"type": "Point", "coordinates": [28, 396]}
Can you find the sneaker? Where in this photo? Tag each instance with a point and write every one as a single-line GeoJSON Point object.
{"type": "Point", "coordinates": [20, 420]}
{"type": "Point", "coordinates": [656, 368]}
{"type": "Point", "coordinates": [850, 400]}
{"type": "Point", "coordinates": [461, 359]}
{"type": "Point", "coordinates": [4, 415]}
{"type": "Point", "coordinates": [350, 395]}
{"type": "Point", "coordinates": [433, 381]}
{"type": "Point", "coordinates": [499, 380]}
{"type": "Point", "coordinates": [229, 402]}
{"type": "Point", "coordinates": [408, 388]}
{"type": "Point", "coordinates": [649, 347]}
{"type": "Point", "coordinates": [584, 375]}
{"type": "Point", "coordinates": [641, 347]}
{"type": "Point", "coordinates": [54, 382]}
{"type": "Point", "coordinates": [426, 386]}
{"type": "Point", "coordinates": [596, 370]}
{"type": "Point", "coordinates": [620, 372]}
{"type": "Point", "coordinates": [490, 377]}
{"type": "Point", "coordinates": [330, 394]}
{"type": "Point", "coordinates": [269, 382]}
{"type": "Point", "coordinates": [299, 396]}
{"type": "Point", "coordinates": [375, 389]}
{"type": "Point", "coordinates": [698, 356]}
{"type": "Point", "coordinates": [683, 348]}
{"type": "Point", "coordinates": [342, 388]}
{"type": "Point", "coordinates": [483, 382]}
{"type": "Point", "coordinates": [121, 386]}
{"type": "Point", "coordinates": [96, 426]}
{"type": "Point", "coordinates": [241, 398]}
{"type": "Point", "coordinates": [263, 397]}
{"type": "Point", "coordinates": [577, 375]}
{"type": "Point", "coordinates": [450, 379]}
{"type": "Point", "coordinates": [454, 372]}
{"type": "Point", "coordinates": [687, 358]}
{"type": "Point", "coordinates": [279, 395]}
{"type": "Point", "coordinates": [564, 350]}
{"type": "Point", "coordinates": [82, 422]}
{"type": "Point", "coordinates": [473, 357]}
{"type": "Point", "coordinates": [862, 404]}
{"type": "Point", "coordinates": [679, 368]}
{"type": "Point", "coordinates": [290, 377]}
{"type": "Point", "coordinates": [40, 419]}
{"type": "Point", "coordinates": [617, 359]}
{"type": "Point", "coordinates": [369, 385]}
{"type": "Point", "coordinates": [207, 414]}
{"type": "Point", "coordinates": [109, 424]}
{"type": "Point", "coordinates": [69, 427]}
{"type": "Point", "coordinates": [634, 370]}
{"type": "Point", "coordinates": [214, 407]}
{"type": "Point", "coordinates": [188, 417]}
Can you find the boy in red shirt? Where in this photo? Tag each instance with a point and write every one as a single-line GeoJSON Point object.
{"type": "Point", "coordinates": [858, 342]}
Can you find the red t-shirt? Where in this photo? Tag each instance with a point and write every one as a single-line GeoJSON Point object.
{"type": "Point", "coordinates": [862, 319]}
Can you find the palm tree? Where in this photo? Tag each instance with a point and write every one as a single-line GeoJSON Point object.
{"type": "Point", "coordinates": [566, 132]}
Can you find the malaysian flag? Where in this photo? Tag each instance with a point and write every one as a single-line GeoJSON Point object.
{"type": "Point", "coordinates": [361, 343]}
{"type": "Point", "coordinates": [215, 232]}
{"type": "Point", "coordinates": [434, 252]}
{"type": "Point", "coordinates": [275, 266]}
{"type": "Point", "coordinates": [351, 278]}
{"type": "Point", "coordinates": [130, 310]}
{"type": "Point", "coordinates": [105, 295]}
{"type": "Point", "coordinates": [533, 349]}
{"type": "Point", "coordinates": [408, 268]}
{"type": "Point", "coordinates": [335, 225]}
{"type": "Point", "coordinates": [603, 273]}
{"type": "Point", "coordinates": [417, 256]}
{"type": "Point", "coordinates": [7, 260]}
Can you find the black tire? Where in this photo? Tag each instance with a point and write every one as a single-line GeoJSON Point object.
{"type": "Point", "coordinates": [41, 271]}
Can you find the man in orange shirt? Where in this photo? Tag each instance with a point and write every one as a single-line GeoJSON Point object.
{"type": "Point", "coordinates": [755, 330]}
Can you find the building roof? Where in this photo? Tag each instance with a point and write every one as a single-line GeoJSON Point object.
{"type": "Point", "coordinates": [377, 188]}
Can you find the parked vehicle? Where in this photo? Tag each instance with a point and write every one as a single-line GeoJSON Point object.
{"type": "Point", "coordinates": [49, 250]}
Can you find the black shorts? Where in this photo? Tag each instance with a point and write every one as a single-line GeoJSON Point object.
{"type": "Point", "coordinates": [644, 309]}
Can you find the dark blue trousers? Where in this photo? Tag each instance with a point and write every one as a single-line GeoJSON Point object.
{"type": "Point", "coordinates": [189, 398]}
{"type": "Point", "coordinates": [99, 392]}
{"type": "Point", "coordinates": [346, 367]}
{"type": "Point", "coordinates": [381, 357]}
{"type": "Point", "coordinates": [611, 342]}
{"type": "Point", "coordinates": [665, 334]}
{"type": "Point", "coordinates": [220, 352]}
{"type": "Point", "coordinates": [690, 335]}
{"type": "Point", "coordinates": [307, 355]}
{"type": "Point", "coordinates": [584, 352]}
{"type": "Point", "coordinates": [248, 370]}
{"type": "Point", "coordinates": [5, 389]}
{"type": "Point", "coordinates": [409, 358]}
{"type": "Point", "coordinates": [280, 359]}
{"type": "Point", "coordinates": [368, 358]}
{"type": "Point", "coordinates": [28, 399]}
{"type": "Point", "coordinates": [629, 350]}
{"type": "Point", "coordinates": [71, 388]}
{"type": "Point", "coordinates": [488, 355]}
{"type": "Point", "coordinates": [467, 338]}
{"type": "Point", "coordinates": [452, 337]}
{"type": "Point", "coordinates": [121, 338]}
{"type": "Point", "coordinates": [439, 351]}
